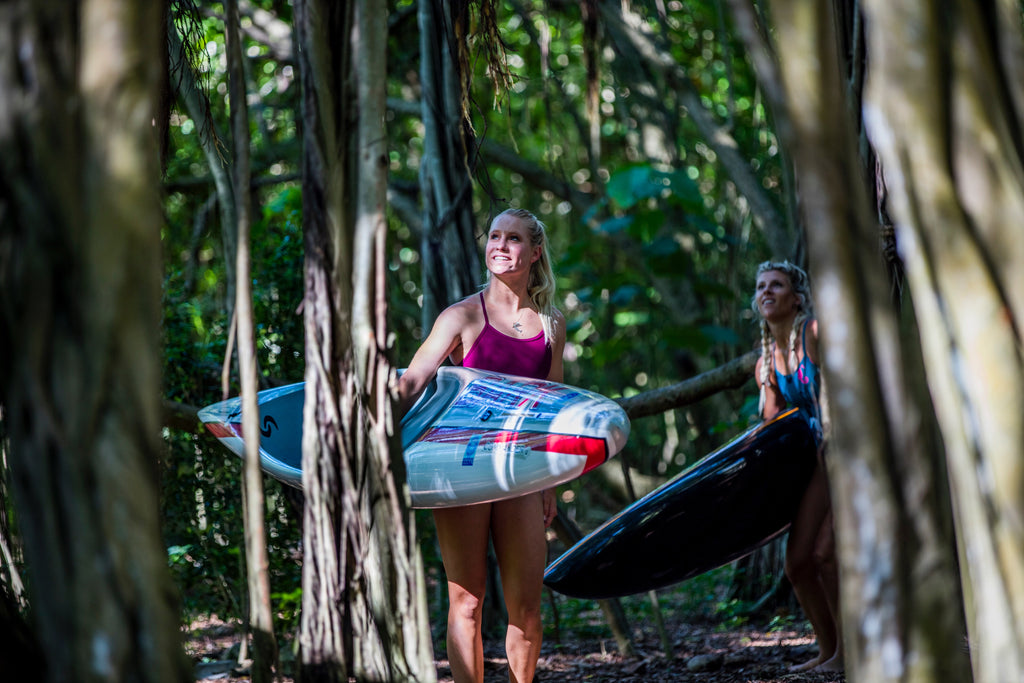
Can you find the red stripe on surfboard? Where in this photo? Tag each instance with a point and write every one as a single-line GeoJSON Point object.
{"type": "Point", "coordinates": [220, 431]}
{"type": "Point", "coordinates": [594, 449]}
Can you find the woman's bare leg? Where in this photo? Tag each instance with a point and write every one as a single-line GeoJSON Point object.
{"type": "Point", "coordinates": [520, 545]}
{"type": "Point", "coordinates": [462, 533]}
{"type": "Point", "coordinates": [803, 569]}
{"type": "Point", "coordinates": [829, 569]}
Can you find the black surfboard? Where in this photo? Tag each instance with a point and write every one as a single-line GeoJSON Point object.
{"type": "Point", "coordinates": [722, 508]}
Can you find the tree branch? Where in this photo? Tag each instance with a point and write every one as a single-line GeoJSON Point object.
{"type": "Point", "coordinates": [732, 375]}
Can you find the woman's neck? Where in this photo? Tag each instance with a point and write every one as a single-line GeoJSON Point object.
{"type": "Point", "coordinates": [507, 291]}
{"type": "Point", "coordinates": [781, 329]}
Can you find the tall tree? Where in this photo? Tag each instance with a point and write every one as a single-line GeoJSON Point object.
{"type": "Point", "coordinates": [80, 296]}
{"type": "Point", "coordinates": [186, 83]}
{"type": "Point", "coordinates": [944, 120]}
{"type": "Point", "coordinates": [261, 620]}
{"type": "Point", "coordinates": [451, 264]}
{"type": "Point", "coordinates": [364, 605]}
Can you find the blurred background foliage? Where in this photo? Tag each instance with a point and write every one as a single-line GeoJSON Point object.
{"type": "Point", "coordinates": [654, 245]}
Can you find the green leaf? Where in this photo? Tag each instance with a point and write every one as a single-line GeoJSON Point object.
{"type": "Point", "coordinates": [631, 318]}
{"type": "Point", "coordinates": [614, 225]}
{"type": "Point", "coordinates": [632, 184]}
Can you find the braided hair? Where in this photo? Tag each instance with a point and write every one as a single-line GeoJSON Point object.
{"type": "Point", "coordinates": [805, 310]}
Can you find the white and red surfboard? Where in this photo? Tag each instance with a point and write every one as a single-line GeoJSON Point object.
{"type": "Point", "coordinates": [472, 437]}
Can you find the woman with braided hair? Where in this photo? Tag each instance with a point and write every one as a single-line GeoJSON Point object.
{"type": "Point", "coordinates": [788, 376]}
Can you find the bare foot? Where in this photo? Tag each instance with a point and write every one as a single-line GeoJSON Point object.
{"type": "Point", "coordinates": [833, 663]}
{"type": "Point", "coordinates": [806, 666]}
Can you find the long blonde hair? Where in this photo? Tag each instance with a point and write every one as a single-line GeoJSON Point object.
{"type": "Point", "coordinates": [541, 287]}
{"type": "Point", "coordinates": [805, 311]}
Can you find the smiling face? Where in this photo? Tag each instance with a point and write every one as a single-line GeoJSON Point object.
{"type": "Point", "coordinates": [509, 249]}
{"type": "Point", "coordinates": [775, 297]}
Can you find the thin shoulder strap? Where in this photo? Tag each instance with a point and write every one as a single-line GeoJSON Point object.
{"type": "Point", "coordinates": [484, 306]}
{"type": "Point", "coordinates": [803, 338]}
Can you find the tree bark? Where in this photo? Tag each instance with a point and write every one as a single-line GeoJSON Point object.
{"type": "Point", "coordinates": [257, 562]}
{"type": "Point", "coordinates": [898, 571]}
{"type": "Point", "coordinates": [364, 603]}
{"type": "Point", "coordinates": [451, 263]}
{"type": "Point", "coordinates": [80, 296]}
{"type": "Point", "coordinates": [19, 648]}
{"type": "Point", "coordinates": [946, 122]}
{"type": "Point", "coordinates": [732, 375]}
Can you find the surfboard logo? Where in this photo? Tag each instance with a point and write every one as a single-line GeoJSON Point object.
{"type": "Point", "coordinates": [269, 425]}
{"type": "Point", "coordinates": [470, 454]}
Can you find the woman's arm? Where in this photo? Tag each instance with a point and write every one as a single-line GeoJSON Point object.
{"type": "Point", "coordinates": [557, 371]}
{"type": "Point", "coordinates": [812, 341]}
{"type": "Point", "coordinates": [444, 338]}
{"type": "Point", "coordinates": [555, 374]}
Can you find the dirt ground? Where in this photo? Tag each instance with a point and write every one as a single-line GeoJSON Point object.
{"type": "Point", "coordinates": [702, 653]}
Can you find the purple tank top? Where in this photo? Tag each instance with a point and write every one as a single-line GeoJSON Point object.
{"type": "Point", "coordinates": [496, 351]}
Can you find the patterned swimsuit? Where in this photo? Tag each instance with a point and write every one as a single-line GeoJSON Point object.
{"type": "Point", "coordinates": [802, 389]}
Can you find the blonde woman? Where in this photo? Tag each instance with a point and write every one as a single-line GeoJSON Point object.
{"type": "Point", "coordinates": [511, 326]}
{"type": "Point", "coordinates": [787, 374]}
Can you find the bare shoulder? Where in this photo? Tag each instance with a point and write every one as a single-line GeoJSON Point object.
{"type": "Point", "coordinates": [446, 336]}
{"type": "Point", "coordinates": [812, 340]}
{"type": "Point", "coordinates": [559, 318]}
{"type": "Point", "coordinates": [461, 313]}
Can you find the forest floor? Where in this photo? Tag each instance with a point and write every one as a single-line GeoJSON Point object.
{"type": "Point", "coordinates": [701, 653]}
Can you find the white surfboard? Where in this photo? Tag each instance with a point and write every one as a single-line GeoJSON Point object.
{"type": "Point", "coordinates": [472, 437]}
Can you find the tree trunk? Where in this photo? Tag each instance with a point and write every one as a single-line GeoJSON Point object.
{"type": "Point", "coordinates": [946, 123]}
{"type": "Point", "coordinates": [451, 264]}
{"type": "Point", "coordinates": [80, 368]}
{"type": "Point", "coordinates": [261, 620]}
{"type": "Point", "coordinates": [898, 571]}
{"type": "Point", "coordinates": [364, 600]}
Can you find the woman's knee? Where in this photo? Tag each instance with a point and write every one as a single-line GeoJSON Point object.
{"type": "Point", "coordinates": [800, 567]}
{"type": "Point", "coordinates": [465, 605]}
{"type": "Point", "coordinates": [804, 566]}
{"type": "Point", "coordinates": [526, 617]}
{"type": "Point", "coordinates": [825, 561]}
